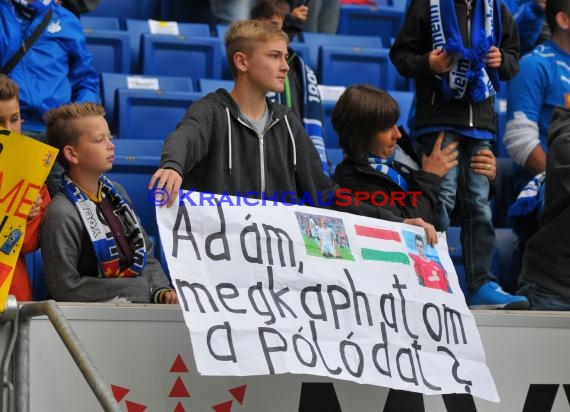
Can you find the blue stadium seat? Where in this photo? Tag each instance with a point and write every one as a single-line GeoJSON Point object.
{"type": "Point", "coordinates": [127, 9]}
{"type": "Point", "coordinates": [405, 100]}
{"type": "Point", "coordinates": [196, 57]}
{"type": "Point", "coordinates": [335, 156]}
{"type": "Point", "coordinates": [303, 50]}
{"type": "Point", "coordinates": [90, 23]}
{"type": "Point", "coordinates": [456, 254]}
{"type": "Point", "coordinates": [113, 81]}
{"type": "Point", "coordinates": [506, 191]}
{"type": "Point", "coordinates": [136, 28]}
{"type": "Point", "coordinates": [36, 275]}
{"type": "Point", "coordinates": [110, 50]}
{"type": "Point", "coordinates": [506, 259]}
{"type": "Point", "coordinates": [371, 21]}
{"type": "Point", "coordinates": [211, 85]}
{"type": "Point", "coordinates": [316, 40]}
{"type": "Point", "coordinates": [221, 30]}
{"type": "Point", "coordinates": [150, 114]}
{"type": "Point", "coordinates": [135, 162]}
{"type": "Point", "coordinates": [344, 66]}
{"type": "Point", "coordinates": [331, 138]}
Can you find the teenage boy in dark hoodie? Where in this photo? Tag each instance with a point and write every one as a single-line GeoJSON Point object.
{"type": "Point", "coordinates": [240, 141]}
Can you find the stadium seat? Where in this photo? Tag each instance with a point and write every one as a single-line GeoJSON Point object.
{"type": "Point", "coordinates": [506, 191]}
{"type": "Point", "coordinates": [316, 40]}
{"type": "Point", "coordinates": [344, 66]}
{"type": "Point", "coordinates": [150, 114]}
{"type": "Point", "coordinates": [113, 81]}
{"type": "Point", "coordinates": [370, 21]}
{"type": "Point", "coordinates": [211, 85]}
{"type": "Point", "coordinates": [456, 254]}
{"type": "Point", "coordinates": [506, 259]}
{"type": "Point", "coordinates": [329, 97]}
{"type": "Point", "coordinates": [136, 28]}
{"type": "Point", "coordinates": [90, 23]}
{"type": "Point", "coordinates": [196, 57]}
{"type": "Point", "coordinates": [303, 50]}
{"type": "Point", "coordinates": [405, 100]}
{"type": "Point", "coordinates": [127, 9]}
{"type": "Point", "coordinates": [36, 275]}
{"type": "Point", "coordinates": [110, 50]}
{"type": "Point", "coordinates": [335, 156]}
{"type": "Point", "coordinates": [135, 162]}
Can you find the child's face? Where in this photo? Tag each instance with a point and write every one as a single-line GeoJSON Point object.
{"type": "Point", "coordinates": [10, 115]}
{"type": "Point", "coordinates": [385, 142]}
{"type": "Point", "coordinates": [267, 65]}
{"type": "Point", "coordinates": [94, 153]}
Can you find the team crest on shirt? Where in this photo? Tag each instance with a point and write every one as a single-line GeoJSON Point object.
{"type": "Point", "coordinates": [567, 100]}
{"type": "Point", "coordinates": [54, 27]}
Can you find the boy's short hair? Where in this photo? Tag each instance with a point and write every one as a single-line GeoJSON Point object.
{"type": "Point", "coordinates": [8, 89]}
{"type": "Point", "coordinates": [553, 7]}
{"type": "Point", "coordinates": [266, 9]}
{"type": "Point", "coordinates": [361, 112]}
{"type": "Point", "coordinates": [61, 131]}
{"type": "Point", "coordinates": [242, 36]}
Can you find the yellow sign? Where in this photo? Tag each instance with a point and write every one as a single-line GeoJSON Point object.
{"type": "Point", "coordinates": [24, 166]}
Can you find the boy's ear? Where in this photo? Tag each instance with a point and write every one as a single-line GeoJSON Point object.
{"type": "Point", "coordinates": [240, 61]}
{"type": "Point", "coordinates": [70, 155]}
{"type": "Point", "coordinates": [562, 20]}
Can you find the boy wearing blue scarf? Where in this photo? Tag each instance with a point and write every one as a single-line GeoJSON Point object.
{"type": "Point", "coordinates": [458, 50]}
{"type": "Point", "coordinates": [94, 248]}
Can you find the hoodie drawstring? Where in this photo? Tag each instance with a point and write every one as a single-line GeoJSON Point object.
{"type": "Point", "coordinates": [229, 141]}
{"type": "Point", "coordinates": [292, 142]}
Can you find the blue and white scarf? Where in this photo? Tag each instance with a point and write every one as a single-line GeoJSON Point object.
{"type": "Point", "coordinates": [386, 167]}
{"type": "Point", "coordinates": [34, 8]}
{"type": "Point", "coordinates": [101, 234]}
{"type": "Point", "coordinates": [530, 199]}
{"type": "Point", "coordinates": [468, 78]}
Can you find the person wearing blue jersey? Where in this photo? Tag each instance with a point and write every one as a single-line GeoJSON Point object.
{"type": "Point", "coordinates": [55, 70]}
{"type": "Point", "coordinates": [541, 85]}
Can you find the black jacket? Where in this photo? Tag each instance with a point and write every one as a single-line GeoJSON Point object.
{"type": "Point", "coordinates": [359, 176]}
{"type": "Point", "coordinates": [410, 55]}
{"type": "Point", "coordinates": [546, 260]}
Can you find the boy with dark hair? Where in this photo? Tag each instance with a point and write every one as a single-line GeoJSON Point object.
{"type": "Point", "coordinates": [94, 248]}
{"type": "Point", "coordinates": [11, 119]}
{"type": "Point", "coordinates": [458, 50]}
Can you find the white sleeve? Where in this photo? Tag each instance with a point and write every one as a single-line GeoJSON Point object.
{"type": "Point", "coordinates": [521, 137]}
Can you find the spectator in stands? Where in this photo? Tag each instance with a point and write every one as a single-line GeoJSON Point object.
{"type": "Point", "coordinates": [532, 95]}
{"type": "Point", "coordinates": [301, 93]}
{"type": "Point", "coordinates": [455, 86]}
{"type": "Point", "coordinates": [545, 279]}
{"type": "Point", "coordinates": [94, 248]}
{"type": "Point", "coordinates": [529, 17]}
{"type": "Point", "coordinates": [379, 157]}
{"type": "Point", "coordinates": [10, 119]}
{"type": "Point", "coordinates": [54, 70]}
{"type": "Point", "coordinates": [228, 11]}
{"type": "Point", "coordinates": [323, 16]}
{"type": "Point", "coordinates": [240, 141]}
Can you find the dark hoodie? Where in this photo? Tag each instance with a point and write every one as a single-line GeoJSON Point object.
{"type": "Point", "coordinates": [547, 255]}
{"type": "Point", "coordinates": [217, 151]}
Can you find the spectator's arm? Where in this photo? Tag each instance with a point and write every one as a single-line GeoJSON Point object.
{"type": "Point", "coordinates": [509, 46]}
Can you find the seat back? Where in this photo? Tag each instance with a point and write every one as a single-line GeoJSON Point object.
{"type": "Point", "coordinates": [110, 50]}
{"type": "Point", "coordinates": [385, 22]}
{"type": "Point", "coordinates": [90, 23]}
{"type": "Point", "coordinates": [211, 85]}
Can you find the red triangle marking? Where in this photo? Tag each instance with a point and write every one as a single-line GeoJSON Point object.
{"type": "Point", "coordinates": [179, 390]}
{"type": "Point", "coordinates": [179, 408]}
{"type": "Point", "coordinates": [223, 407]}
{"type": "Point", "coordinates": [119, 392]}
{"type": "Point", "coordinates": [135, 407]}
{"type": "Point", "coordinates": [238, 393]}
{"type": "Point", "coordinates": [179, 366]}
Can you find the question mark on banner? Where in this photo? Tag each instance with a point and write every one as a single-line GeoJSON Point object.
{"type": "Point", "coordinates": [455, 367]}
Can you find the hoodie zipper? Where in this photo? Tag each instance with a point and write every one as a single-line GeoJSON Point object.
{"type": "Point", "coordinates": [261, 151]}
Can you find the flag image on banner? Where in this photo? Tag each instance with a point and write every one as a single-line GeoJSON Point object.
{"type": "Point", "coordinates": [383, 245]}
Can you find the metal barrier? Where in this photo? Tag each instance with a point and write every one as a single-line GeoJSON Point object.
{"type": "Point", "coordinates": [21, 329]}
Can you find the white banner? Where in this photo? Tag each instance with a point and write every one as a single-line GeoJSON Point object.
{"type": "Point", "coordinates": [268, 288]}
